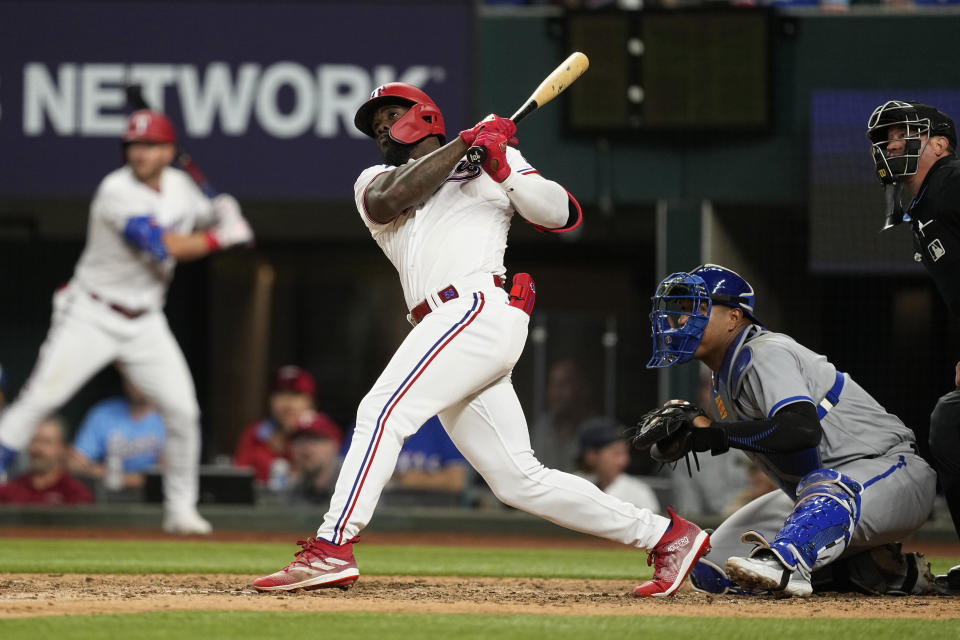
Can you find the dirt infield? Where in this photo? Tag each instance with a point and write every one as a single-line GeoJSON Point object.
{"type": "Point", "coordinates": [32, 595]}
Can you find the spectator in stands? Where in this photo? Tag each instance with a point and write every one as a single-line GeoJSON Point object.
{"type": "Point", "coordinates": [315, 459]}
{"type": "Point", "coordinates": [47, 481]}
{"type": "Point", "coordinates": [429, 460]}
{"type": "Point", "coordinates": [119, 440]}
{"type": "Point", "coordinates": [265, 444]}
{"type": "Point", "coordinates": [605, 455]}
{"type": "Point", "coordinates": [554, 435]}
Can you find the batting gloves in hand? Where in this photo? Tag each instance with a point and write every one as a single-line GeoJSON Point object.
{"type": "Point", "coordinates": [492, 123]}
{"type": "Point", "coordinates": [230, 228]}
{"type": "Point", "coordinates": [495, 163]}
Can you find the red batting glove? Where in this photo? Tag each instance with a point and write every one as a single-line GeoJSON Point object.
{"type": "Point", "coordinates": [496, 162]}
{"type": "Point", "coordinates": [493, 123]}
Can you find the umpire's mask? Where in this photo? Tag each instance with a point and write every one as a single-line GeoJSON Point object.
{"type": "Point", "coordinates": [896, 131]}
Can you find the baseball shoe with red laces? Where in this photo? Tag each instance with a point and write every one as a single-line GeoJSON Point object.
{"type": "Point", "coordinates": [318, 564]}
{"type": "Point", "coordinates": [673, 557]}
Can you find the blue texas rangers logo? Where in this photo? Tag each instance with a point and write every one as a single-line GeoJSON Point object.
{"type": "Point", "coordinates": [464, 171]}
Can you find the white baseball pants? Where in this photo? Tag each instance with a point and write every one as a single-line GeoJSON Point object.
{"type": "Point", "coordinates": [456, 364]}
{"type": "Point", "coordinates": [86, 335]}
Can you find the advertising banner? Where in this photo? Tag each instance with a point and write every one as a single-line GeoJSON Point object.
{"type": "Point", "coordinates": [261, 94]}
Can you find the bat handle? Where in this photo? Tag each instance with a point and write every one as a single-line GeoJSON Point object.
{"type": "Point", "coordinates": [476, 155]}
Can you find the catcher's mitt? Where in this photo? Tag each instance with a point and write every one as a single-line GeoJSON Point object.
{"type": "Point", "coordinates": [667, 432]}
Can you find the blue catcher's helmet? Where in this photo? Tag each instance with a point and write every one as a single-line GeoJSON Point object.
{"type": "Point", "coordinates": [692, 295]}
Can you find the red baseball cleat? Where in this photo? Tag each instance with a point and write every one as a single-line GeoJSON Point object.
{"type": "Point", "coordinates": [674, 557]}
{"type": "Point", "coordinates": [319, 564]}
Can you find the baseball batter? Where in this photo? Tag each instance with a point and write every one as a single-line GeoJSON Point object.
{"type": "Point", "coordinates": [443, 224]}
{"type": "Point", "coordinates": [850, 476]}
{"type": "Point", "coordinates": [143, 219]}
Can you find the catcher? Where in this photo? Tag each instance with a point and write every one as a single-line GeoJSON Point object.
{"type": "Point", "coordinates": [851, 482]}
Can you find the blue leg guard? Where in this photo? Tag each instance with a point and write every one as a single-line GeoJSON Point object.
{"type": "Point", "coordinates": [818, 530]}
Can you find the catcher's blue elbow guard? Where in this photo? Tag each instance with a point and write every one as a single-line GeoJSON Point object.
{"type": "Point", "coordinates": [144, 233]}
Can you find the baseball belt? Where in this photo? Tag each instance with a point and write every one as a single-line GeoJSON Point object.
{"type": "Point", "coordinates": [446, 294]}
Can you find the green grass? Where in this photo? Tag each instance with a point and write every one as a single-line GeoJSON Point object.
{"type": "Point", "coordinates": [126, 556]}
{"type": "Point", "coordinates": [240, 625]}
{"type": "Point", "coordinates": [113, 556]}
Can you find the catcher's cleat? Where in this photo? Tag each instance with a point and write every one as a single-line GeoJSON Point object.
{"type": "Point", "coordinates": [764, 571]}
{"type": "Point", "coordinates": [949, 583]}
{"type": "Point", "coordinates": [674, 557]}
{"type": "Point", "coordinates": [319, 564]}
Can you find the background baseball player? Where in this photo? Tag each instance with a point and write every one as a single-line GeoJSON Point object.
{"type": "Point", "coordinates": [143, 219]}
{"type": "Point", "coordinates": [443, 224]}
{"type": "Point", "coordinates": [849, 476]}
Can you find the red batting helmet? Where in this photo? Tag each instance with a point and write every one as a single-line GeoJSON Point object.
{"type": "Point", "coordinates": [149, 126]}
{"type": "Point", "coordinates": [422, 120]}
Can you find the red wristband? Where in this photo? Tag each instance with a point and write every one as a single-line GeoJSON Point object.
{"type": "Point", "coordinates": [212, 243]}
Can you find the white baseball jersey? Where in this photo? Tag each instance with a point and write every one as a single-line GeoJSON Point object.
{"type": "Point", "coordinates": [444, 239]}
{"type": "Point", "coordinates": [456, 364]}
{"type": "Point", "coordinates": [113, 268]}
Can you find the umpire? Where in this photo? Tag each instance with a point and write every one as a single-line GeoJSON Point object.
{"type": "Point", "coordinates": [914, 153]}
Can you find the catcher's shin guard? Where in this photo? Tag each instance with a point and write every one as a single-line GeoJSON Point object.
{"type": "Point", "coordinates": [819, 529]}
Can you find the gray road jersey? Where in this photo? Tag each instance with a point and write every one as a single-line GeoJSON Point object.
{"type": "Point", "coordinates": [765, 371]}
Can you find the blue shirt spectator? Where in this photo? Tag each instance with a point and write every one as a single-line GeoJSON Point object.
{"type": "Point", "coordinates": [429, 449]}
{"type": "Point", "coordinates": [111, 427]}
{"type": "Point", "coordinates": [430, 461]}
{"type": "Point", "coordinates": [119, 440]}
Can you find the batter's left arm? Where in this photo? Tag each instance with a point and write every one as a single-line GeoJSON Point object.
{"type": "Point", "coordinates": [543, 203]}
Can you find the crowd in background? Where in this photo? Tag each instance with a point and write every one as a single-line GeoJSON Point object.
{"type": "Point", "coordinates": [292, 454]}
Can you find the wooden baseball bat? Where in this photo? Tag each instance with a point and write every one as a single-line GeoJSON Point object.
{"type": "Point", "coordinates": [136, 101]}
{"type": "Point", "coordinates": [553, 85]}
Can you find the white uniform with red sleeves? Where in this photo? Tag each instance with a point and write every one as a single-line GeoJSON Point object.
{"type": "Point", "coordinates": [111, 312]}
{"type": "Point", "coordinates": [456, 364]}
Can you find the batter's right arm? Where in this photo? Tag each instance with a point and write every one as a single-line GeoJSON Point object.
{"type": "Point", "coordinates": [393, 192]}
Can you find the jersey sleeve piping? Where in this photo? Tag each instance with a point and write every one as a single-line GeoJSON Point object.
{"type": "Point", "coordinates": [573, 221]}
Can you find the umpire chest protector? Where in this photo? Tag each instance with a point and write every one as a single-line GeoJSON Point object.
{"type": "Point", "coordinates": [935, 222]}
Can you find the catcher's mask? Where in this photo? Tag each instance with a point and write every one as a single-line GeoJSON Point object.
{"type": "Point", "coordinates": [681, 310]}
{"type": "Point", "coordinates": [421, 120]}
